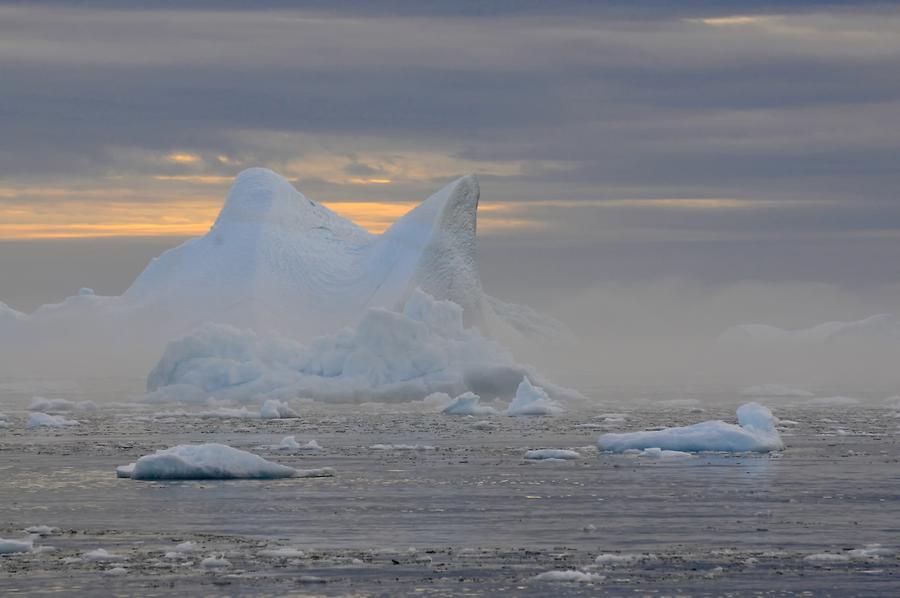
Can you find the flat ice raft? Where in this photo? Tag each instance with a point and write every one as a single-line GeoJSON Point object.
{"type": "Point", "coordinates": [754, 432]}
{"type": "Point", "coordinates": [210, 462]}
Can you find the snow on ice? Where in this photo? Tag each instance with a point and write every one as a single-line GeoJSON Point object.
{"type": "Point", "coordinates": [207, 462]}
{"type": "Point", "coordinates": [754, 432]}
{"type": "Point", "coordinates": [551, 454]}
{"type": "Point", "coordinates": [37, 419]}
{"type": "Point", "coordinates": [532, 400]}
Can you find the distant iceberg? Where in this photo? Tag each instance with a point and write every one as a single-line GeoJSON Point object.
{"type": "Point", "coordinates": [401, 355]}
{"type": "Point", "coordinates": [754, 432]}
{"type": "Point", "coordinates": [881, 327]}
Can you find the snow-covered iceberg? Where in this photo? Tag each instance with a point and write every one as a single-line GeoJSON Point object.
{"type": "Point", "coordinates": [401, 355]}
{"type": "Point", "coordinates": [754, 432]}
{"type": "Point", "coordinates": [204, 462]}
{"type": "Point", "coordinates": [274, 262]}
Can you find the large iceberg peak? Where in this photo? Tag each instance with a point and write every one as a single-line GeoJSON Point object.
{"type": "Point", "coordinates": [260, 195]}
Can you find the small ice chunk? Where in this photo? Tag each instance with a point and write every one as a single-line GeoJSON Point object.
{"type": "Point", "coordinates": [206, 462]}
{"type": "Point", "coordinates": [570, 575]}
{"type": "Point", "coordinates": [484, 425]}
{"type": "Point", "coordinates": [608, 559]}
{"type": "Point", "coordinates": [43, 420]}
{"type": "Point", "coordinates": [115, 571]}
{"type": "Point", "coordinates": [870, 552]}
{"type": "Point", "coordinates": [15, 546]}
{"type": "Point", "coordinates": [86, 292]}
{"type": "Point", "coordinates": [125, 471]}
{"type": "Point", "coordinates": [275, 409]}
{"type": "Point", "coordinates": [532, 400]}
{"type": "Point", "coordinates": [283, 552]}
{"type": "Point", "coordinates": [402, 447]}
{"type": "Point", "coordinates": [311, 445]}
{"type": "Point", "coordinates": [57, 405]}
{"type": "Point", "coordinates": [467, 404]}
{"type": "Point", "coordinates": [100, 555]}
{"type": "Point", "coordinates": [215, 562]}
{"type": "Point", "coordinates": [41, 530]}
{"type": "Point", "coordinates": [826, 558]}
{"type": "Point", "coordinates": [754, 432]}
{"type": "Point", "coordinates": [187, 546]}
{"type": "Point", "coordinates": [557, 454]}
{"type": "Point", "coordinates": [288, 443]}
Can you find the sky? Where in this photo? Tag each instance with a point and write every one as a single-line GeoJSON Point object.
{"type": "Point", "coordinates": [616, 142]}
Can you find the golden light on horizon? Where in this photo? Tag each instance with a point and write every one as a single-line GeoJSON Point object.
{"type": "Point", "coordinates": [79, 219]}
{"type": "Point", "coordinates": [183, 158]}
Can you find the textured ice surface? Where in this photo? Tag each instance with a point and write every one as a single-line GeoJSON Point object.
{"type": "Point", "coordinates": [754, 432]}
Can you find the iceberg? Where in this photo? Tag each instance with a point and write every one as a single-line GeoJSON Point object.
{"type": "Point", "coordinates": [532, 400]}
{"type": "Point", "coordinates": [37, 419]}
{"type": "Point", "coordinates": [467, 404]}
{"type": "Point", "coordinates": [754, 432]}
{"type": "Point", "coordinates": [404, 355]}
{"type": "Point", "coordinates": [204, 462]}
{"type": "Point", "coordinates": [274, 263]}
{"type": "Point", "coordinates": [16, 546]}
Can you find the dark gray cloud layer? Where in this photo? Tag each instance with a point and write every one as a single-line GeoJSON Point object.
{"type": "Point", "coordinates": [792, 102]}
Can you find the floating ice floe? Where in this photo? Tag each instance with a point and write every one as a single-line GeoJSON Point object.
{"type": "Point", "coordinates": [16, 546]}
{"type": "Point", "coordinates": [270, 409]}
{"type": "Point", "coordinates": [215, 562]}
{"type": "Point", "coordinates": [611, 559]}
{"type": "Point", "coordinates": [395, 356]}
{"type": "Point", "coordinates": [532, 400]}
{"type": "Point", "coordinates": [210, 462]}
{"type": "Point", "coordinates": [41, 530]}
{"type": "Point", "coordinates": [283, 552]}
{"type": "Point", "coordinates": [467, 404]}
{"type": "Point", "coordinates": [57, 405]}
{"type": "Point", "coordinates": [402, 447]}
{"type": "Point", "coordinates": [37, 419]}
{"type": "Point", "coordinates": [289, 443]}
{"type": "Point", "coordinates": [754, 432]}
{"type": "Point", "coordinates": [101, 555]}
{"type": "Point", "coordinates": [551, 454]}
{"type": "Point", "coordinates": [775, 390]}
{"type": "Point", "coordinates": [570, 575]}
